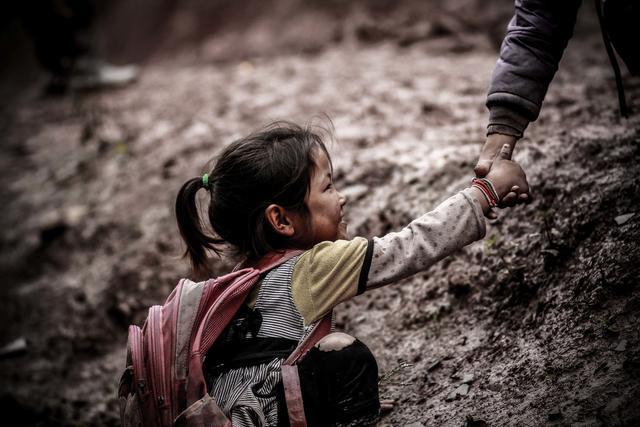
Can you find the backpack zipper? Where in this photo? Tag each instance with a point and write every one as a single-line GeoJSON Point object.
{"type": "Point", "coordinates": [158, 376]}
{"type": "Point", "coordinates": [137, 359]}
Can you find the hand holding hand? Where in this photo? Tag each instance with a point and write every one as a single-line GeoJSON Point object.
{"type": "Point", "coordinates": [507, 178]}
{"type": "Point", "coordinates": [494, 148]}
{"type": "Point", "coordinates": [499, 147]}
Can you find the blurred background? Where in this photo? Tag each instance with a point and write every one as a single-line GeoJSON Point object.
{"type": "Point", "coordinates": [136, 32]}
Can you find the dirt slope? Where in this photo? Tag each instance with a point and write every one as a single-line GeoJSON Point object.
{"type": "Point", "coordinates": [539, 320]}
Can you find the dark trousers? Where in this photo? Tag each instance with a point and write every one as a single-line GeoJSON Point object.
{"type": "Point", "coordinates": [60, 30]}
{"type": "Point", "coordinates": [340, 387]}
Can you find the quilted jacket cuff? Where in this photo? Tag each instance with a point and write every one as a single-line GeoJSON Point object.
{"type": "Point", "coordinates": [506, 121]}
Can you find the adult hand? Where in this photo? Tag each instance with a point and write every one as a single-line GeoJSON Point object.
{"type": "Point", "coordinates": [497, 146]}
{"type": "Point", "coordinates": [492, 149]}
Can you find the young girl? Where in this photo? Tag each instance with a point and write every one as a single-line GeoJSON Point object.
{"type": "Point", "coordinates": [274, 190]}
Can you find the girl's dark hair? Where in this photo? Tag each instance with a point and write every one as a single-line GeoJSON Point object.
{"type": "Point", "coordinates": [273, 165]}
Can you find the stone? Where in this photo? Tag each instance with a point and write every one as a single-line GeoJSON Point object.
{"type": "Point", "coordinates": [621, 219]}
{"type": "Point", "coordinates": [468, 379]}
{"type": "Point", "coordinates": [461, 390]}
{"type": "Point", "coordinates": [15, 347]}
{"type": "Point", "coordinates": [622, 346]}
{"type": "Point", "coordinates": [75, 214]}
{"type": "Point", "coordinates": [435, 365]}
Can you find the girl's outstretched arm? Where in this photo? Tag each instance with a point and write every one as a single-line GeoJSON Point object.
{"type": "Point", "coordinates": [332, 272]}
{"type": "Point", "coordinates": [455, 223]}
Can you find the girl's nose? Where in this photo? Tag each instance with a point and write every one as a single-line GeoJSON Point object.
{"type": "Point", "coordinates": [342, 199]}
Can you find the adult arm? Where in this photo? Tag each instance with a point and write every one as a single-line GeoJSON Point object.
{"type": "Point", "coordinates": [531, 51]}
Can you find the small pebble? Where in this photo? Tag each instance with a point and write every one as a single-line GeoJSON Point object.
{"type": "Point", "coordinates": [621, 219]}
{"type": "Point", "coordinates": [468, 379]}
{"type": "Point", "coordinates": [435, 365]}
{"type": "Point", "coordinates": [622, 346]}
{"type": "Point", "coordinates": [15, 347]}
{"type": "Point", "coordinates": [463, 390]}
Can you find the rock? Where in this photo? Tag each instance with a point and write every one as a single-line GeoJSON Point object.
{"type": "Point", "coordinates": [621, 219]}
{"type": "Point", "coordinates": [461, 390]}
{"type": "Point", "coordinates": [110, 133]}
{"type": "Point", "coordinates": [435, 365]}
{"type": "Point", "coordinates": [416, 424]}
{"type": "Point", "coordinates": [14, 348]}
{"type": "Point", "coordinates": [75, 214]}
{"type": "Point", "coordinates": [622, 346]}
{"type": "Point", "coordinates": [468, 379]}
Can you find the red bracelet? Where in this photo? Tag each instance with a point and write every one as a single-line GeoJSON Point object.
{"type": "Point", "coordinates": [487, 189]}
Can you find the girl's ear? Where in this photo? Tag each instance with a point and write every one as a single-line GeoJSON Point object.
{"type": "Point", "coordinates": [280, 219]}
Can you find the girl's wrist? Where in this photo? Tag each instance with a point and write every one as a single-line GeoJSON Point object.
{"type": "Point", "coordinates": [488, 193]}
{"type": "Point", "coordinates": [479, 196]}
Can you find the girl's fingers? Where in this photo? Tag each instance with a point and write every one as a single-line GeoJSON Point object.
{"type": "Point", "coordinates": [509, 199]}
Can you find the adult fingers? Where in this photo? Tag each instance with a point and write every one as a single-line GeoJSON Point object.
{"type": "Point", "coordinates": [506, 151]}
{"type": "Point", "coordinates": [487, 156]}
{"type": "Point", "coordinates": [482, 167]}
{"type": "Point", "coordinates": [490, 151]}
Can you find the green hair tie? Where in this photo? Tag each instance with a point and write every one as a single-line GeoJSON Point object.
{"type": "Point", "coordinates": [205, 181]}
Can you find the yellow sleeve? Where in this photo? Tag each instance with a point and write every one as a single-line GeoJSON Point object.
{"type": "Point", "coordinates": [329, 273]}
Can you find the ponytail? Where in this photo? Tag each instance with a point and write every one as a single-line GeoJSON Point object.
{"type": "Point", "coordinates": [191, 228]}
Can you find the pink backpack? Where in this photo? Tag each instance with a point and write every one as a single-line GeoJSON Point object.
{"type": "Point", "coordinates": [163, 384]}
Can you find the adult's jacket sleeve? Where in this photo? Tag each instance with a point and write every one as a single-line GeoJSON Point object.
{"type": "Point", "coordinates": [536, 38]}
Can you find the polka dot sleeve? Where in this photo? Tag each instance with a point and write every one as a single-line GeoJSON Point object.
{"type": "Point", "coordinates": [455, 223]}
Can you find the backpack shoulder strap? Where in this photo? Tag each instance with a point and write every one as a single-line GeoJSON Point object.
{"type": "Point", "coordinates": [290, 378]}
{"type": "Point", "coordinates": [322, 328]}
{"type": "Point", "coordinates": [220, 313]}
{"type": "Point", "coordinates": [270, 260]}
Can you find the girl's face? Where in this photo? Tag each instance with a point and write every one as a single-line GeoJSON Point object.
{"type": "Point", "coordinates": [325, 205]}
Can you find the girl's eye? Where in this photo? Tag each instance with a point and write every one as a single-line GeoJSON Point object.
{"type": "Point", "coordinates": [330, 185]}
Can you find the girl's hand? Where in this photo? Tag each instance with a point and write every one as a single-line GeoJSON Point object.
{"type": "Point", "coordinates": [508, 179]}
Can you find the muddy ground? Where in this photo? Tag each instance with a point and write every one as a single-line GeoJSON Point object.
{"type": "Point", "coordinates": [538, 324]}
